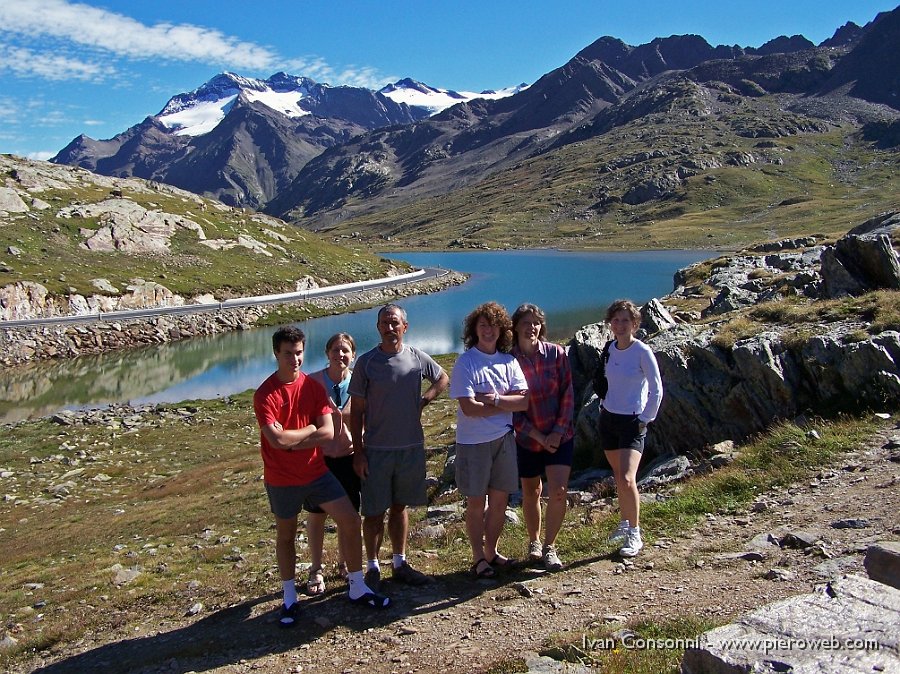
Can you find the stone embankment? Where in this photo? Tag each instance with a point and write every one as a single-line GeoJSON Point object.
{"type": "Point", "coordinates": [23, 344]}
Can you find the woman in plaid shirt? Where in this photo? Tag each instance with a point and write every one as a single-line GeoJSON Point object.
{"type": "Point", "coordinates": [544, 432]}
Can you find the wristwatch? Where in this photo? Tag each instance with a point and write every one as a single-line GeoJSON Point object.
{"type": "Point", "coordinates": [496, 399]}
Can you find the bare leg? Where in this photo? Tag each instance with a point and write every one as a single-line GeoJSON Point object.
{"type": "Point", "coordinates": [475, 525]}
{"type": "Point", "coordinates": [494, 519]}
{"type": "Point", "coordinates": [625, 463]}
{"type": "Point", "coordinates": [315, 531]}
{"type": "Point", "coordinates": [398, 528]}
{"type": "Point", "coordinates": [557, 486]}
{"type": "Point", "coordinates": [531, 506]}
{"type": "Point", "coordinates": [373, 534]}
{"type": "Point", "coordinates": [285, 547]}
{"type": "Point", "coordinates": [347, 519]}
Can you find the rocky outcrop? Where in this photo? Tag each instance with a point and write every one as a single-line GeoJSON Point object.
{"type": "Point", "coordinates": [717, 391]}
{"type": "Point", "coordinates": [714, 394]}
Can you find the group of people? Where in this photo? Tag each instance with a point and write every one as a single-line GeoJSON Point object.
{"type": "Point", "coordinates": [342, 442]}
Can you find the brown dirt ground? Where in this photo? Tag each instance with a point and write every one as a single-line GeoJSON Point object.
{"type": "Point", "coordinates": [459, 625]}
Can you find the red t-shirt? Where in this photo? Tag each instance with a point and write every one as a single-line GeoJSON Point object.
{"type": "Point", "coordinates": [294, 405]}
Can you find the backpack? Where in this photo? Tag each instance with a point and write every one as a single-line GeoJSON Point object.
{"type": "Point", "coordinates": [600, 383]}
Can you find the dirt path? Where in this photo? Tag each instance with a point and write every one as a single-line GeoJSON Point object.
{"type": "Point", "coordinates": [458, 625]}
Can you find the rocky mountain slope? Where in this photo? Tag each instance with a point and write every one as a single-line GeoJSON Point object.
{"type": "Point", "coordinates": [619, 136]}
{"type": "Point", "coordinates": [242, 140]}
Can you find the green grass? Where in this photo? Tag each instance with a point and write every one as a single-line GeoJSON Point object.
{"type": "Point", "coordinates": [649, 647]}
{"type": "Point", "coordinates": [810, 182]}
{"type": "Point", "coordinates": [53, 254]}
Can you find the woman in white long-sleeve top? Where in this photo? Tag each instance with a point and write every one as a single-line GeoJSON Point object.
{"type": "Point", "coordinates": [632, 400]}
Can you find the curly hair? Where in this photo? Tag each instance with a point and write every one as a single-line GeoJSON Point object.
{"type": "Point", "coordinates": [496, 315]}
{"type": "Point", "coordinates": [624, 305]}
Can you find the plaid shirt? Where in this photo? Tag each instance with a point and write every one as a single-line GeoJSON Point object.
{"type": "Point", "coordinates": [552, 400]}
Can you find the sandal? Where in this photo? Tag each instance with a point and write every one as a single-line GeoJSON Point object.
{"type": "Point", "coordinates": [288, 616]}
{"type": "Point", "coordinates": [487, 572]}
{"type": "Point", "coordinates": [316, 582]}
{"type": "Point", "coordinates": [372, 600]}
{"type": "Point", "coordinates": [503, 563]}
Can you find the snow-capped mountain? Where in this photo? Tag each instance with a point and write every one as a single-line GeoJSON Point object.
{"type": "Point", "coordinates": [242, 140]}
{"type": "Point", "coordinates": [200, 111]}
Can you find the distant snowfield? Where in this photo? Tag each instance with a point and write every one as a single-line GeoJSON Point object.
{"type": "Point", "coordinates": [435, 100]}
{"type": "Point", "coordinates": [201, 117]}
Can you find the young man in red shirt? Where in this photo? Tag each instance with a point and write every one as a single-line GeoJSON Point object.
{"type": "Point", "coordinates": [294, 417]}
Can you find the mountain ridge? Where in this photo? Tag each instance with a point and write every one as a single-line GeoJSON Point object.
{"type": "Point", "coordinates": [351, 153]}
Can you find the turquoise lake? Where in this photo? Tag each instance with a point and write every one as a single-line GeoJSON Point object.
{"type": "Point", "coordinates": [573, 288]}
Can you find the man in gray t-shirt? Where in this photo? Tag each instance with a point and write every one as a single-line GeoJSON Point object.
{"type": "Point", "coordinates": [389, 457]}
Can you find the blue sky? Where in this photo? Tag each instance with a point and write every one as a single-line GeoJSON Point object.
{"type": "Point", "coordinates": [99, 67]}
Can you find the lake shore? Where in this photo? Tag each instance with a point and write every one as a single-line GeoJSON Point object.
{"type": "Point", "coordinates": [21, 345]}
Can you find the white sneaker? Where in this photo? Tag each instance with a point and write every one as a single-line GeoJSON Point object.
{"type": "Point", "coordinates": [633, 543]}
{"type": "Point", "coordinates": [535, 552]}
{"type": "Point", "coordinates": [618, 536]}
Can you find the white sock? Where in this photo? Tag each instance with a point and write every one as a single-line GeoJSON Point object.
{"type": "Point", "coordinates": [398, 560]}
{"type": "Point", "coordinates": [290, 592]}
{"type": "Point", "coordinates": [373, 564]}
{"type": "Point", "coordinates": [357, 584]}
{"type": "Point", "coordinates": [636, 530]}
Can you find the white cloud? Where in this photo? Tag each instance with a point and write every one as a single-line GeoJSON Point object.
{"type": "Point", "coordinates": [100, 29]}
{"type": "Point", "coordinates": [24, 62]}
{"type": "Point", "coordinates": [79, 25]}
{"type": "Point", "coordinates": [93, 122]}
{"type": "Point", "coordinates": [41, 156]}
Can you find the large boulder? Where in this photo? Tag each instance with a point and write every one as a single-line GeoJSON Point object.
{"type": "Point", "coordinates": [863, 260]}
{"type": "Point", "coordinates": [712, 393]}
{"type": "Point", "coordinates": [848, 626]}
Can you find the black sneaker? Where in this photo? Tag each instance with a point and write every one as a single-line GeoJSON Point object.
{"type": "Point", "coordinates": [373, 580]}
{"type": "Point", "coordinates": [406, 574]}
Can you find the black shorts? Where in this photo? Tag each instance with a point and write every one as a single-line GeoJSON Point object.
{"type": "Point", "coordinates": [342, 468]}
{"type": "Point", "coordinates": [621, 431]}
{"type": "Point", "coordinates": [532, 464]}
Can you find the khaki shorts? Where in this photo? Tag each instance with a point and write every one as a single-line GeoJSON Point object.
{"type": "Point", "coordinates": [487, 465]}
{"type": "Point", "coordinates": [396, 477]}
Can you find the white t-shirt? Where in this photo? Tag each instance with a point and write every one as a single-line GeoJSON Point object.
{"type": "Point", "coordinates": [479, 372]}
{"type": "Point", "coordinates": [635, 386]}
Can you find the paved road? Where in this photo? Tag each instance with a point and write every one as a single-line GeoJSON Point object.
{"type": "Point", "coordinates": [328, 291]}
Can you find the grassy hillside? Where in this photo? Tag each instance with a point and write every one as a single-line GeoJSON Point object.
{"type": "Point", "coordinates": [40, 246]}
{"type": "Point", "coordinates": [734, 171]}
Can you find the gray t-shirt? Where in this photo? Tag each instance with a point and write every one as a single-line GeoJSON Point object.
{"type": "Point", "coordinates": [391, 383]}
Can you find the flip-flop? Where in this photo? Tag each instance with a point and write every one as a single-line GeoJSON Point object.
{"type": "Point", "coordinates": [288, 617]}
{"type": "Point", "coordinates": [372, 600]}
{"type": "Point", "coordinates": [503, 563]}
{"type": "Point", "coordinates": [487, 572]}
{"type": "Point", "coordinates": [316, 582]}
